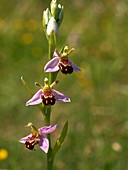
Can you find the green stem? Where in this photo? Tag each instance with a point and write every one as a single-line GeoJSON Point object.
{"type": "Point", "coordinates": [48, 116]}
{"type": "Point", "coordinates": [47, 122]}
{"type": "Point", "coordinates": [47, 109]}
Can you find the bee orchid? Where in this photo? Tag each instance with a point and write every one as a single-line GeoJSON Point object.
{"type": "Point", "coordinates": [61, 62]}
{"type": "Point", "coordinates": [37, 137]}
{"type": "Point", "coordinates": [47, 95]}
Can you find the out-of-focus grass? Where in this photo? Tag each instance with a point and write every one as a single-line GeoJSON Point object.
{"type": "Point", "coordinates": [97, 137]}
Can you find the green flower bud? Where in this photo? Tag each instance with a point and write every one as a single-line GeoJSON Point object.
{"type": "Point", "coordinates": [57, 11]}
{"type": "Point", "coordinates": [46, 18]}
{"type": "Point", "coordinates": [54, 8]}
{"type": "Point", "coordinates": [52, 26]}
{"type": "Point", "coordinates": [61, 14]}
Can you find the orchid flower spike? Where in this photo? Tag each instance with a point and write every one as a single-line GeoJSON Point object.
{"type": "Point", "coordinates": [61, 62]}
{"type": "Point", "coordinates": [47, 95]}
{"type": "Point", "coordinates": [37, 136]}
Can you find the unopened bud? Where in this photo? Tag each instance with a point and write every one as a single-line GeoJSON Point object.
{"type": "Point", "coordinates": [52, 25]}
{"type": "Point", "coordinates": [54, 8]}
{"type": "Point", "coordinates": [46, 18]}
{"type": "Point", "coordinates": [57, 11]}
{"type": "Point", "coordinates": [61, 14]}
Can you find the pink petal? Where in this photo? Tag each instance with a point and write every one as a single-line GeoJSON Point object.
{"type": "Point", "coordinates": [36, 99]}
{"type": "Point", "coordinates": [44, 144]}
{"type": "Point", "coordinates": [48, 129]}
{"type": "Point", "coordinates": [75, 67]}
{"type": "Point", "coordinates": [60, 97]}
{"type": "Point", "coordinates": [52, 65]}
{"type": "Point", "coordinates": [24, 139]}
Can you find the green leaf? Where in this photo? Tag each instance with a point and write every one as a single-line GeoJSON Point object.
{"type": "Point", "coordinates": [41, 106]}
{"type": "Point", "coordinates": [26, 86]}
{"type": "Point", "coordinates": [53, 76]}
{"type": "Point", "coordinates": [60, 140]}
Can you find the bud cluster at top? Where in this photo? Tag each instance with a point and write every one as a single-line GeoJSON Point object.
{"type": "Point", "coordinates": [52, 18]}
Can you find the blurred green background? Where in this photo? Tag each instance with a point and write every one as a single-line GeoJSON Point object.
{"type": "Point", "coordinates": [98, 122]}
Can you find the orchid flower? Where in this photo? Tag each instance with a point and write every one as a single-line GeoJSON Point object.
{"type": "Point", "coordinates": [47, 95]}
{"type": "Point", "coordinates": [61, 62]}
{"type": "Point", "coordinates": [37, 136]}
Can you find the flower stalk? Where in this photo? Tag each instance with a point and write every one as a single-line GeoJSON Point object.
{"type": "Point", "coordinates": [52, 45]}
{"type": "Point", "coordinates": [47, 122]}
{"type": "Point", "coordinates": [46, 96]}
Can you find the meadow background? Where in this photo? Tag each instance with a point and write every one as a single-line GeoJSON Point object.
{"type": "Point", "coordinates": [98, 122]}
